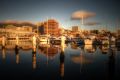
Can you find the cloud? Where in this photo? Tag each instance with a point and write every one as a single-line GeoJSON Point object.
{"type": "Point", "coordinates": [82, 13]}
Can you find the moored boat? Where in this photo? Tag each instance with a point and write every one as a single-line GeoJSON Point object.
{"type": "Point", "coordinates": [78, 41]}
{"type": "Point", "coordinates": [44, 38]}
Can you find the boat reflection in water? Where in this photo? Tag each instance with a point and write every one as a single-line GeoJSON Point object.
{"type": "Point", "coordinates": [90, 48]}
{"type": "Point", "coordinates": [82, 58]}
{"type": "Point", "coordinates": [105, 49]}
{"type": "Point", "coordinates": [49, 50]}
{"type": "Point", "coordinates": [60, 62]}
{"type": "Point", "coordinates": [74, 46]}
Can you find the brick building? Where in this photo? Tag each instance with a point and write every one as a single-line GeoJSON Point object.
{"type": "Point", "coordinates": [50, 27]}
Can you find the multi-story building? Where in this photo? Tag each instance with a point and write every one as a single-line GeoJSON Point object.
{"type": "Point", "coordinates": [12, 31]}
{"type": "Point", "coordinates": [75, 28]}
{"type": "Point", "coordinates": [50, 27]}
{"type": "Point", "coordinates": [76, 31]}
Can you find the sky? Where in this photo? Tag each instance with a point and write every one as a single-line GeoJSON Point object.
{"type": "Point", "coordinates": [107, 12]}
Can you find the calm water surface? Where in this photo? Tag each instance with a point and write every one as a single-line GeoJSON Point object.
{"type": "Point", "coordinates": [53, 62]}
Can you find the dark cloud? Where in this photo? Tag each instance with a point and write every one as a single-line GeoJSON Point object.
{"type": "Point", "coordinates": [92, 23]}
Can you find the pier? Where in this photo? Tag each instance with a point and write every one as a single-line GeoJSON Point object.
{"type": "Point", "coordinates": [33, 41]}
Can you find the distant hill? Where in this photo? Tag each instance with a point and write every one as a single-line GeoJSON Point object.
{"type": "Point", "coordinates": [17, 24]}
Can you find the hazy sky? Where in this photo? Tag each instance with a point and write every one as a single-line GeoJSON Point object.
{"type": "Point", "coordinates": [107, 11]}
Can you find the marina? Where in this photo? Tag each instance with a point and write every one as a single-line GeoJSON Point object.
{"type": "Point", "coordinates": [59, 57]}
{"type": "Point", "coordinates": [60, 39]}
{"type": "Point", "coordinates": [60, 61]}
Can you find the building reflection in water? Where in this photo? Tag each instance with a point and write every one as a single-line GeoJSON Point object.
{"type": "Point", "coordinates": [111, 64]}
{"type": "Point", "coordinates": [82, 47]}
{"type": "Point", "coordinates": [118, 48]}
{"type": "Point", "coordinates": [90, 48]}
{"type": "Point", "coordinates": [62, 62]}
{"type": "Point", "coordinates": [4, 55]}
{"type": "Point", "coordinates": [82, 59]}
{"type": "Point", "coordinates": [34, 60]}
{"type": "Point", "coordinates": [22, 44]}
{"type": "Point", "coordinates": [49, 51]}
{"type": "Point", "coordinates": [94, 48]}
{"type": "Point", "coordinates": [17, 54]}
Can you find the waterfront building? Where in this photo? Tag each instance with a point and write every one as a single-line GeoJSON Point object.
{"type": "Point", "coordinates": [75, 28]}
{"type": "Point", "coordinates": [50, 27]}
{"type": "Point", "coordinates": [12, 31]}
{"type": "Point", "coordinates": [76, 32]}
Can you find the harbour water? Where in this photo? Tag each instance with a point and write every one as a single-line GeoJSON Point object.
{"type": "Point", "coordinates": [56, 62]}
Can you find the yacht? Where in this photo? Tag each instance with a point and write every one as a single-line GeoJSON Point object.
{"type": "Point", "coordinates": [78, 41]}
{"type": "Point", "coordinates": [44, 38]}
{"type": "Point", "coordinates": [57, 40]}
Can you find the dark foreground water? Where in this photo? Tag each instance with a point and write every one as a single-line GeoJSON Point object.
{"type": "Point", "coordinates": [52, 62]}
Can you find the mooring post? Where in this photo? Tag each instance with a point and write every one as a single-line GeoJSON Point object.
{"type": "Point", "coordinates": [4, 55]}
{"type": "Point", "coordinates": [62, 57]}
{"type": "Point", "coordinates": [62, 40]}
{"type": "Point", "coordinates": [34, 43]}
{"type": "Point", "coordinates": [3, 42]}
{"type": "Point", "coordinates": [17, 43]}
{"type": "Point", "coordinates": [34, 60]}
{"type": "Point", "coordinates": [17, 54]}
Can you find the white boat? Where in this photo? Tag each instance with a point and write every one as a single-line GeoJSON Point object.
{"type": "Point", "coordinates": [78, 41]}
{"type": "Point", "coordinates": [57, 39]}
{"type": "Point", "coordinates": [105, 41]}
{"type": "Point", "coordinates": [44, 38]}
{"type": "Point", "coordinates": [88, 41]}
